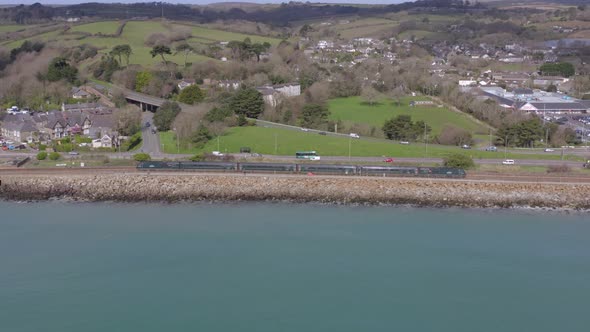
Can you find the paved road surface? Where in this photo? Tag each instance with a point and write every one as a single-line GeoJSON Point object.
{"type": "Point", "coordinates": [151, 142]}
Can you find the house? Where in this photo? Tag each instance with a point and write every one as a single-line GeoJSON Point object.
{"type": "Point", "coordinates": [269, 95]}
{"type": "Point", "coordinates": [229, 84]}
{"type": "Point", "coordinates": [273, 93]}
{"type": "Point", "coordinates": [467, 82]}
{"type": "Point", "coordinates": [19, 131]}
{"type": "Point", "coordinates": [185, 83]}
{"type": "Point", "coordinates": [78, 93]}
{"type": "Point", "coordinates": [105, 141]}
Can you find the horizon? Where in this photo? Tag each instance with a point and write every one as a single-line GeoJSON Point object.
{"type": "Point", "coordinates": [199, 2]}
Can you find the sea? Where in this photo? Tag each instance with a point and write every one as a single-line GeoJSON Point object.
{"type": "Point", "coordinates": [271, 267]}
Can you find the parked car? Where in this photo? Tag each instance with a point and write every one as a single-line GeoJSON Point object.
{"type": "Point", "coordinates": [388, 160]}
{"type": "Point", "coordinates": [549, 150]}
{"type": "Point", "coordinates": [353, 135]}
{"type": "Point", "coordinates": [508, 162]}
{"type": "Point", "coordinates": [492, 148]}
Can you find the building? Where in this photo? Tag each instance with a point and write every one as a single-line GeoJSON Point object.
{"type": "Point", "coordinates": [536, 101]}
{"type": "Point", "coordinates": [79, 93]}
{"type": "Point", "coordinates": [19, 131]}
{"type": "Point", "coordinates": [185, 83]}
{"type": "Point", "coordinates": [272, 94]}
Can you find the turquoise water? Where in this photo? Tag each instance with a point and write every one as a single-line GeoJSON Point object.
{"type": "Point", "coordinates": [279, 267]}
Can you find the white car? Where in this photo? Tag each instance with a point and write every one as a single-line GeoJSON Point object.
{"type": "Point", "coordinates": [217, 153]}
{"type": "Point", "coordinates": [304, 129]}
{"type": "Point", "coordinates": [508, 162]}
{"type": "Point", "coordinates": [549, 150]}
{"type": "Point", "coordinates": [353, 135]}
{"type": "Point", "coordinates": [404, 142]}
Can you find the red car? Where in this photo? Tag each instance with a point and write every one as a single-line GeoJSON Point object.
{"type": "Point", "coordinates": [388, 160]}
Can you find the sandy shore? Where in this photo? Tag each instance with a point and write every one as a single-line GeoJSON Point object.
{"type": "Point", "coordinates": [141, 187]}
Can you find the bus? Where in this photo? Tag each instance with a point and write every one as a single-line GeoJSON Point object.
{"type": "Point", "coordinates": [310, 155]}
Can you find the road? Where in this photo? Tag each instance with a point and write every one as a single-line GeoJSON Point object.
{"type": "Point", "coordinates": [150, 141]}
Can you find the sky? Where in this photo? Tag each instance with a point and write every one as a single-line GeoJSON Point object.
{"type": "Point", "coordinates": [200, 2]}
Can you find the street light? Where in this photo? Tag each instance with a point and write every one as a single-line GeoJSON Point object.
{"type": "Point", "coordinates": [349, 147]}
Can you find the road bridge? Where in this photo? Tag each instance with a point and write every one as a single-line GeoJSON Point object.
{"type": "Point", "coordinates": [145, 102]}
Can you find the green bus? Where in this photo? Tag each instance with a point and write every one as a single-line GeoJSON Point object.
{"type": "Point", "coordinates": [309, 155]}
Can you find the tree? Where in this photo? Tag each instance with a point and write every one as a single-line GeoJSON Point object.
{"type": "Point", "coordinates": [201, 136]}
{"type": "Point", "coordinates": [41, 155]}
{"type": "Point", "coordinates": [458, 160]}
{"type": "Point", "coordinates": [551, 88]}
{"type": "Point", "coordinates": [314, 115]}
{"type": "Point", "coordinates": [305, 30]}
{"type": "Point", "coordinates": [160, 50]}
{"type": "Point", "coordinates": [370, 95]}
{"type": "Point", "coordinates": [59, 69]}
{"type": "Point", "coordinates": [397, 94]}
{"type": "Point", "coordinates": [122, 50]}
{"type": "Point", "coordinates": [128, 121]}
{"type": "Point", "coordinates": [105, 69]}
{"type": "Point", "coordinates": [191, 94]}
{"type": "Point", "coordinates": [452, 135]}
{"type": "Point", "coordinates": [54, 156]}
{"type": "Point", "coordinates": [142, 80]}
{"type": "Point", "coordinates": [186, 49]}
{"type": "Point", "coordinates": [402, 128]}
{"type": "Point", "coordinates": [142, 157]}
{"type": "Point", "coordinates": [247, 101]}
{"type": "Point", "coordinates": [565, 69]}
{"type": "Point", "coordinates": [165, 115]}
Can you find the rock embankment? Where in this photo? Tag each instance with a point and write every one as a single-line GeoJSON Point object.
{"type": "Point", "coordinates": [198, 187]}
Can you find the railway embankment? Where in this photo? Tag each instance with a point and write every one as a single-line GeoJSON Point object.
{"type": "Point", "coordinates": [143, 187]}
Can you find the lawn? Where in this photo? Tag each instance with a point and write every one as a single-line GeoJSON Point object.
{"type": "Point", "coordinates": [106, 27]}
{"type": "Point", "coordinates": [220, 35]}
{"type": "Point", "coordinates": [353, 110]}
{"type": "Point", "coordinates": [262, 140]}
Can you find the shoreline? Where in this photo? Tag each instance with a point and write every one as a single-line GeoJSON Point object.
{"type": "Point", "coordinates": [166, 188]}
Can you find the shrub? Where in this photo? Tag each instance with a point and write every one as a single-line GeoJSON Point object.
{"type": "Point", "coordinates": [197, 157]}
{"type": "Point", "coordinates": [41, 155]}
{"type": "Point", "coordinates": [141, 157]}
{"type": "Point", "coordinates": [559, 169]}
{"type": "Point", "coordinates": [54, 156]}
{"type": "Point", "coordinates": [459, 160]}
{"type": "Point", "coordinates": [42, 147]}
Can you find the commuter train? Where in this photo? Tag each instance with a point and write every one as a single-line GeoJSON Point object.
{"type": "Point", "coordinates": [288, 168]}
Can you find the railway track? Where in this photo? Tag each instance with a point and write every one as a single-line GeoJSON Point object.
{"type": "Point", "coordinates": [473, 176]}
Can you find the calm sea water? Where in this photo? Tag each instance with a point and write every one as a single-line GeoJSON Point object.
{"type": "Point", "coordinates": [279, 267]}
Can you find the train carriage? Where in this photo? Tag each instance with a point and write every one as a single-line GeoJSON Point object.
{"type": "Point", "coordinates": [328, 169]}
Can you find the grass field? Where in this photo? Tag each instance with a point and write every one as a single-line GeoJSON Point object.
{"type": "Point", "coordinates": [106, 27]}
{"type": "Point", "coordinates": [262, 140]}
{"type": "Point", "coordinates": [134, 34]}
{"type": "Point", "coordinates": [353, 110]}
{"type": "Point", "coordinates": [15, 27]}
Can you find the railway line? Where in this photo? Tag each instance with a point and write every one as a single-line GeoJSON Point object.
{"type": "Point", "coordinates": [471, 176]}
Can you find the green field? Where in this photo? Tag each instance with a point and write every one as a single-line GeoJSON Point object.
{"type": "Point", "coordinates": [262, 140]}
{"type": "Point", "coordinates": [106, 27]}
{"type": "Point", "coordinates": [353, 110]}
{"type": "Point", "coordinates": [15, 27]}
{"type": "Point", "coordinates": [134, 34]}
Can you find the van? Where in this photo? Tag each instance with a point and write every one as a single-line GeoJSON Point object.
{"type": "Point", "coordinates": [353, 135]}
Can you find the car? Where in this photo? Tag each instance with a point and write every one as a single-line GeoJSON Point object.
{"type": "Point", "coordinates": [322, 133]}
{"type": "Point", "coordinates": [388, 160]}
{"type": "Point", "coordinates": [147, 124]}
{"type": "Point", "coordinates": [73, 153]}
{"type": "Point", "coordinates": [353, 135]}
{"type": "Point", "coordinates": [153, 130]}
{"type": "Point", "coordinates": [217, 153]}
{"type": "Point", "coordinates": [304, 129]}
{"type": "Point", "coordinates": [466, 146]}
{"type": "Point", "coordinates": [404, 142]}
{"type": "Point", "coordinates": [492, 148]}
{"type": "Point", "coordinates": [549, 150]}
{"type": "Point", "coordinates": [508, 162]}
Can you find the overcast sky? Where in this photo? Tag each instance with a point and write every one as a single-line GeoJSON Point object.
{"type": "Point", "coordinates": [69, 2]}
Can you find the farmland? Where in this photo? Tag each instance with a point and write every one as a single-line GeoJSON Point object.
{"type": "Point", "coordinates": [11, 28]}
{"type": "Point", "coordinates": [262, 140]}
{"type": "Point", "coordinates": [353, 110]}
{"type": "Point", "coordinates": [134, 34]}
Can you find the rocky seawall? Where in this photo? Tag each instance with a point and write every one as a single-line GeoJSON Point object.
{"type": "Point", "coordinates": [140, 187]}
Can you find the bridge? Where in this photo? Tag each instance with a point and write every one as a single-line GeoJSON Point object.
{"type": "Point", "coordinates": [145, 102]}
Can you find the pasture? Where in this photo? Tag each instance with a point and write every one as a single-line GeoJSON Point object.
{"type": "Point", "coordinates": [353, 110]}
{"type": "Point", "coordinates": [262, 140]}
{"type": "Point", "coordinates": [134, 34]}
{"type": "Point", "coordinates": [13, 27]}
